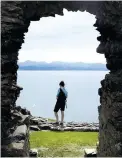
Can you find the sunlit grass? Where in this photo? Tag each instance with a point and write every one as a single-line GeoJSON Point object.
{"type": "Point", "coordinates": [62, 143]}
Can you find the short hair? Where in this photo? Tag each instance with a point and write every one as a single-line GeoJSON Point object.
{"type": "Point", "coordinates": [62, 83]}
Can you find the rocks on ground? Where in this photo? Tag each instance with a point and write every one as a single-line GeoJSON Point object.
{"type": "Point", "coordinates": [90, 152]}
{"type": "Point", "coordinates": [39, 123]}
{"type": "Point", "coordinates": [33, 152]}
{"type": "Point", "coordinates": [17, 144]}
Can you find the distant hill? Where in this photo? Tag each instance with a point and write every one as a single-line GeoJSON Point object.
{"type": "Point", "coordinates": [33, 65]}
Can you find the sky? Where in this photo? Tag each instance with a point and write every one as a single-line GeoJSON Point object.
{"type": "Point", "coordinates": [68, 38]}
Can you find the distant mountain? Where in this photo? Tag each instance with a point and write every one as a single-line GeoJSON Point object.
{"type": "Point", "coordinates": [33, 65]}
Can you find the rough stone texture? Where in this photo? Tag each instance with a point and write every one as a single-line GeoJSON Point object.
{"type": "Point", "coordinates": [16, 149]}
{"type": "Point", "coordinates": [19, 145]}
{"type": "Point", "coordinates": [37, 124]}
{"type": "Point", "coordinates": [17, 142]}
{"type": "Point", "coordinates": [16, 17]}
{"type": "Point", "coordinates": [110, 115]}
{"type": "Point", "coordinates": [34, 128]}
{"type": "Point", "coordinates": [109, 24]}
{"type": "Point", "coordinates": [33, 153]}
{"type": "Point", "coordinates": [90, 153]}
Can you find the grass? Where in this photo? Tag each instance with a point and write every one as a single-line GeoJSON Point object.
{"type": "Point", "coordinates": [62, 144]}
{"type": "Point", "coordinates": [51, 120]}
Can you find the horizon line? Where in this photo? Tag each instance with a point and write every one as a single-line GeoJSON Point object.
{"type": "Point", "coordinates": [61, 61]}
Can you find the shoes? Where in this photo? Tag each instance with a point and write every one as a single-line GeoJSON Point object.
{"type": "Point", "coordinates": [61, 124]}
{"type": "Point", "coordinates": [56, 123]}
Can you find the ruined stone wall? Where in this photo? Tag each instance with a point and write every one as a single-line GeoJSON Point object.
{"type": "Point", "coordinates": [109, 24]}
{"type": "Point", "coordinates": [16, 17]}
{"type": "Point", "coordinates": [13, 27]}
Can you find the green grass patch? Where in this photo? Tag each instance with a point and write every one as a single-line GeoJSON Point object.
{"type": "Point", "coordinates": [62, 144]}
{"type": "Point", "coordinates": [51, 120]}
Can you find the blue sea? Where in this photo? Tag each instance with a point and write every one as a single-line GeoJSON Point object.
{"type": "Point", "coordinates": [40, 89]}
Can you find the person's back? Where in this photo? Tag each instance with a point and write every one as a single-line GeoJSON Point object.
{"type": "Point", "coordinates": [61, 96]}
{"type": "Point", "coordinates": [61, 102]}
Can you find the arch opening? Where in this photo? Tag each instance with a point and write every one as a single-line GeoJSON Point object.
{"type": "Point", "coordinates": [62, 43]}
{"type": "Point", "coordinates": [108, 24]}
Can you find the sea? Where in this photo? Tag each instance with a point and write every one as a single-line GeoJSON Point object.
{"type": "Point", "coordinates": [40, 89]}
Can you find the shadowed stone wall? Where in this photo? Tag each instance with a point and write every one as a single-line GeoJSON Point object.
{"type": "Point", "coordinates": [109, 24]}
{"type": "Point", "coordinates": [16, 17]}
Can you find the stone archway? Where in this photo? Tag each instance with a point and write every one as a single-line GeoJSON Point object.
{"type": "Point", "coordinates": [16, 17]}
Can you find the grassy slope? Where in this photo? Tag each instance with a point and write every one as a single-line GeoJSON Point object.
{"type": "Point", "coordinates": [62, 144]}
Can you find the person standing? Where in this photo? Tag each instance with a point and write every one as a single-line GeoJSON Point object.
{"type": "Point", "coordinates": [61, 103]}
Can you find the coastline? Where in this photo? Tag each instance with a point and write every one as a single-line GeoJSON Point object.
{"type": "Point", "coordinates": [60, 70]}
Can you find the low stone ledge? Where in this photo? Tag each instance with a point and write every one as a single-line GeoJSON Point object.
{"type": "Point", "coordinates": [20, 132]}
{"type": "Point", "coordinates": [19, 144]}
{"type": "Point", "coordinates": [19, 149]}
{"type": "Point", "coordinates": [55, 129]}
{"type": "Point", "coordinates": [86, 129]}
{"type": "Point", "coordinates": [65, 128]}
{"type": "Point", "coordinates": [45, 127]}
{"type": "Point", "coordinates": [68, 129]}
{"type": "Point", "coordinates": [39, 123]}
{"type": "Point", "coordinates": [34, 128]}
{"type": "Point", "coordinates": [33, 153]}
{"type": "Point", "coordinates": [25, 120]}
{"type": "Point", "coordinates": [90, 153]}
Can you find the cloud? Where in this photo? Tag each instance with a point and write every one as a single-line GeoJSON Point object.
{"type": "Point", "coordinates": [71, 37]}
